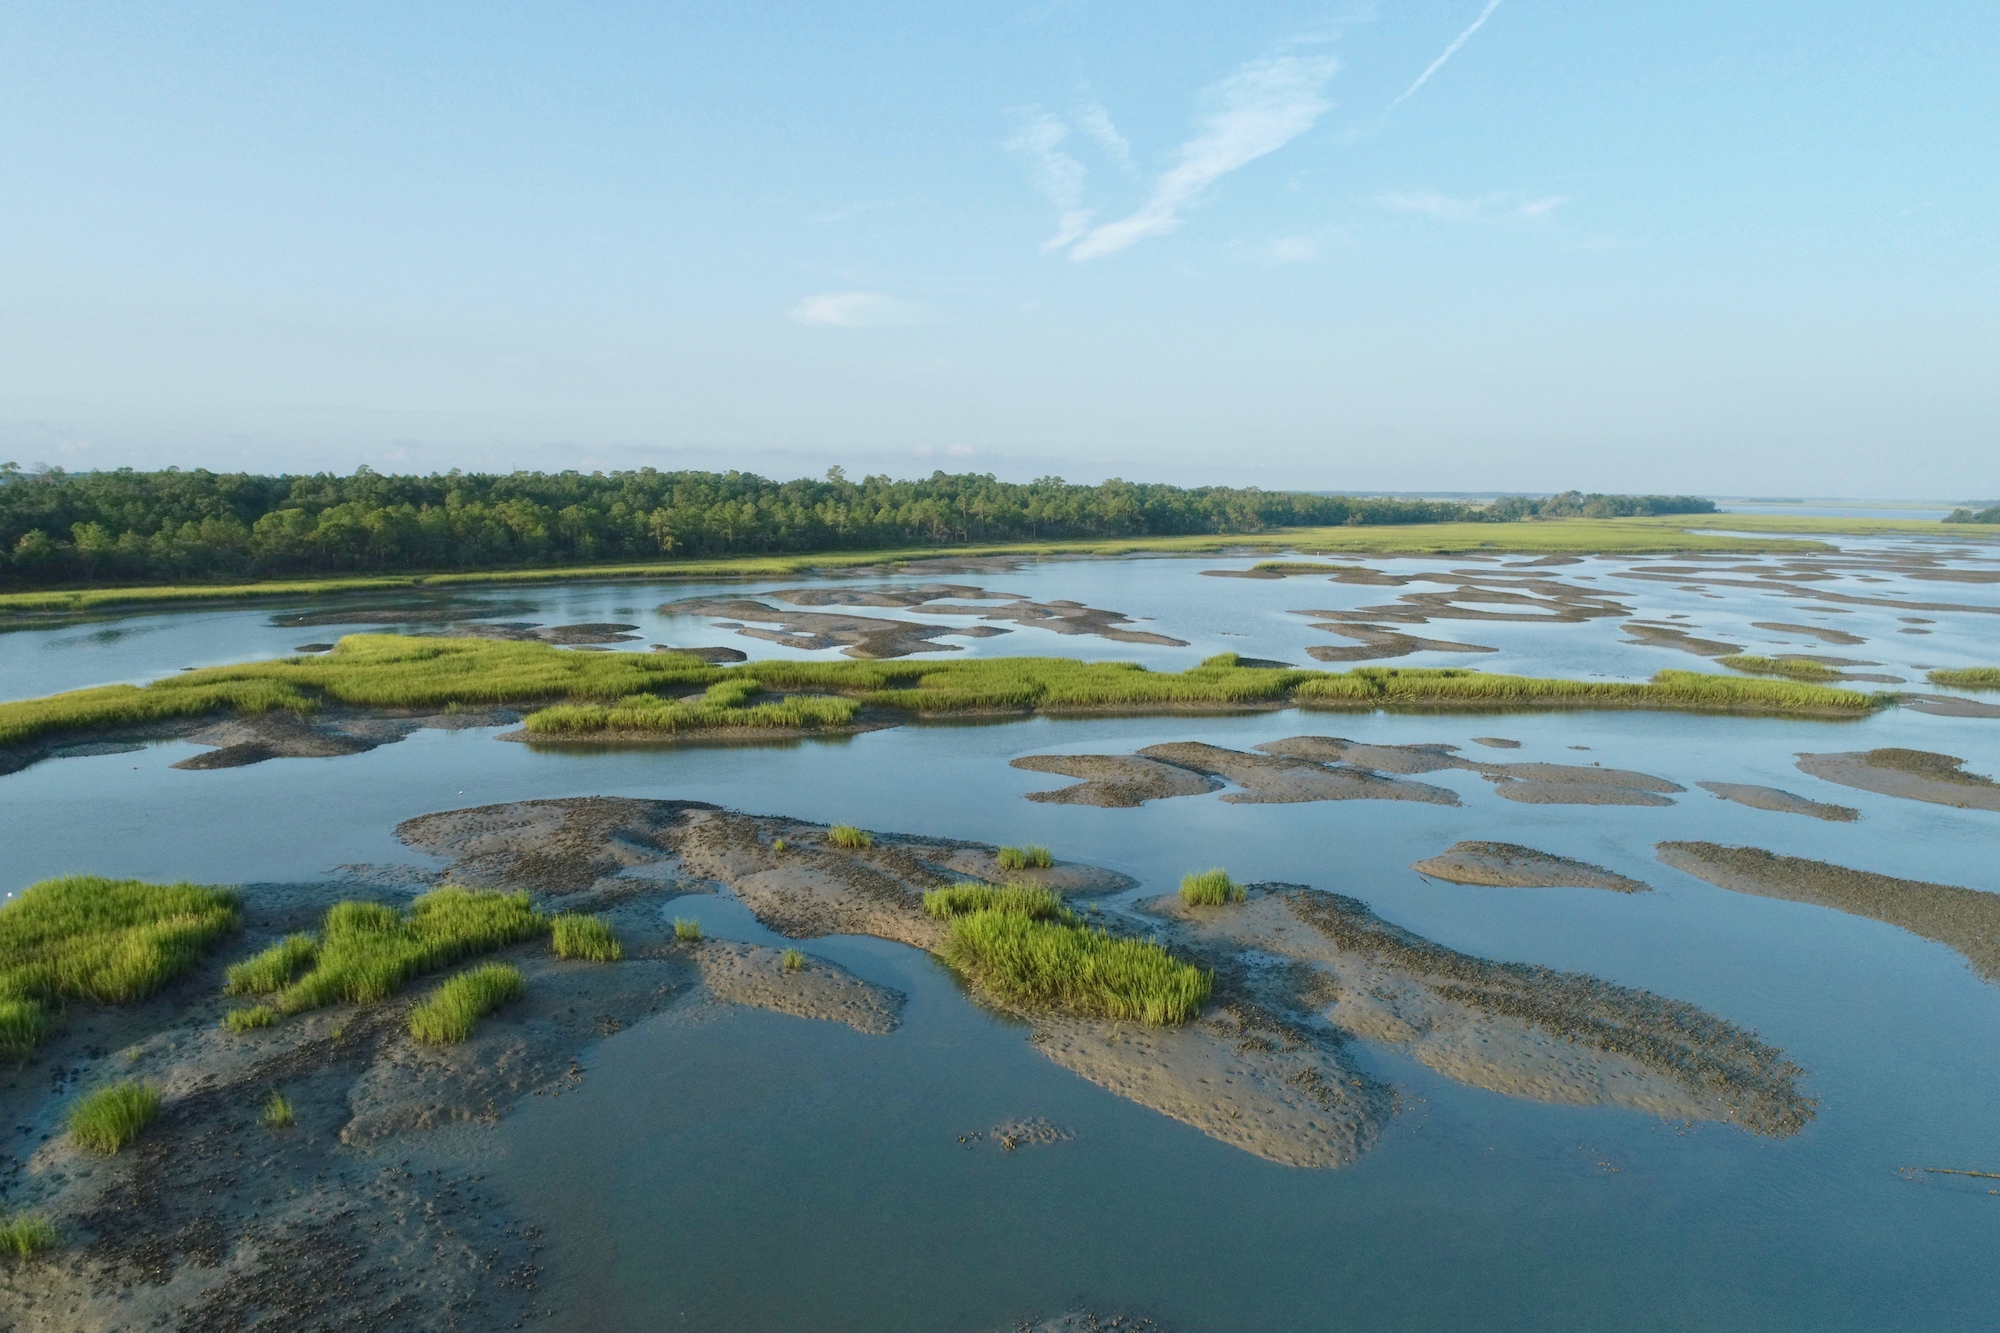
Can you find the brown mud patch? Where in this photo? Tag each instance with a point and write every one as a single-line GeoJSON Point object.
{"type": "Point", "coordinates": [1114, 781]}
{"type": "Point", "coordinates": [1508, 865]}
{"type": "Point", "coordinates": [1964, 920]}
{"type": "Point", "coordinates": [1575, 784]}
{"type": "Point", "coordinates": [1059, 616]}
{"type": "Point", "coordinates": [1916, 775]}
{"type": "Point", "coordinates": [1496, 742]}
{"type": "Point", "coordinates": [1281, 779]}
{"type": "Point", "coordinates": [1514, 1028]}
{"type": "Point", "coordinates": [1376, 642]}
{"type": "Point", "coordinates": [1674, 636]}
{"type": "Point", "coordinates": [1403, 759]}
{"type": "Point", "coordinates": [1948, 705]}
{"type": "Point", "coordinates": [1824, 633]}
{"type": "Point", "coordinates": [855, 636]}
{"type": "Point", "coordinates": [1775, 798]}
{"type": "Point", "coordinates": [712, 656]}
{"type": "Point", "coordinates": [329, 734]}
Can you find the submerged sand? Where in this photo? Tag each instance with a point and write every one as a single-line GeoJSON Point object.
{"type": "Point", "coordinates": [1509, 865]}
{"type": "Point", "coordinates": [1775, 798]}
{"type": "Point", "coordinates": [1966, 920]}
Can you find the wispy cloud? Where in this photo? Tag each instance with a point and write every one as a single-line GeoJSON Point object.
{"type": "Point", "coordinates": [858, 310]}
{"type": "Point", "coordinates": [1292, 250]}
{"type": "Point", "coordinates": [1257, 110]}
{"type": "Point", "coordinates": [1449, 52]}
{"type": "Point", "coordinates": [1058, 176]}
{"type": "Point", "coordinates": [1095, 121]}
{"type": "Point", "coordinates": [1499, 206]}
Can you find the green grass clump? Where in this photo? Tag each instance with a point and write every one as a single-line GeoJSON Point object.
{"type": "Point", "coordinates": [1074, 969]}
{"type": "Point", "coordinates": [1967, 678]}
{"type": "Point", "coordinates": [256, 1016]}
{"type": "Point", "coordinates": [275, 968]}
{"type": "Point", "coordinates": [112, 1117]}
{"type": "Point", "coordinates": [455, 1007]}
{"type": "Point", "coordinates": [366, 951]}
{"type": "Point", "coordinates": [573, 935]}
{"type": "Point", "coordinates": [24, 1236]}
{"type": "Point", "coordinates": [1025, 858]}
{"type": "Point", "coordinates": [110, 941]}
{"type": "Point", "coordinates": [1027, 900]}
{"type": "Point", "coordinates": [1211, 888]}
{"type": "Point", "coordinates": [794, 961]}
{"type": "Point", "coordinates": [685, 929]}
{"type": "Point", "coordinates": [850, 838]}
{"type": "Point", "coordinates": [277, 1111]}
{"type": "Point", "coordinates": [1796, 668]}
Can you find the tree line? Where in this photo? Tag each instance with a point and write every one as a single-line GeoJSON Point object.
{"type": "Point", "coordinates": [129, 526]}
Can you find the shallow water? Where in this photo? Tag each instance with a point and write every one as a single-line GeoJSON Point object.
{"type": "Point", "coordinates": [754, 1170]}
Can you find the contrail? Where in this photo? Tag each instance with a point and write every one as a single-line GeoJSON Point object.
{"type": "Point", "coordinates": [1449, 52]}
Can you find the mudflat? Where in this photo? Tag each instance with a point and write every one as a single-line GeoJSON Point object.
{"type": "Point", "coordinates": [1916, 775]}
{"type": "Point", "coordinates": [1509, 865]}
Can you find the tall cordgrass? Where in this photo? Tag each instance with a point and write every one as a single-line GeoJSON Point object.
{"type": "Point", "coordinates": [455, 1008]}
{"type": "Point", "coordinates": [1074, 969]}
{"type": "Point", "coordinates": [573, 935]}
{"type": "Point", "coordinates": [112, 1117]}
{"type": "Point", "coordinates": [849, 838]}
{"type": "Point", "coordinates": [365, 952]}
{"type": "Point", "coordinates": [81, 937]}
{"type": "Point", "coordinates": [1211, 888]}
{"type": "Point", "coordinates": [1025, 858]}
{"type": "Point", "coordinates": [1966, 678]}
{"type": "Point", "coordinates": [1795, 668]}
{"type": "Point", "coordinates": [1029, 900]}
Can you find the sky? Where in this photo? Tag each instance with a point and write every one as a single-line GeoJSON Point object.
{"type": "Point", "coordinates": [1440, 245]}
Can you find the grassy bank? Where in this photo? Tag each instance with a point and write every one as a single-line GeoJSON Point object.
{"type": "Point", "coordinates": [1967, 678]}
{"type": "Point", "coordinates": [99, 940]}
{"type": "Point", "coordinates": [1052, 964]}
{"type": "Point", "coordinates": [664, 693]}
{"type": "Point", "coordinates": [1633, 536]}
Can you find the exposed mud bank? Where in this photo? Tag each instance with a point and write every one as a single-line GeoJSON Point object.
{"type": "Point", "coordinates": [1119, 781]}
{"type": "Point", "coordinates": [1775, 798]}
{"type": "Point", "coordinates": [1949, 705]}
{"type": "Point", "coordinates": [1508, 865]}
{"type": "Point", "coordinates": [1916, 775]}
{"type": "Point", "coordinates": [1059, 616]}
{"type": "Point", "coordinates": [1966, 920]}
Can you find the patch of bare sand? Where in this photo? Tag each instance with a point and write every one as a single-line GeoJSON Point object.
{"type": "Point", "coordinates": [1508, 865]}
{"type": "Point", "coordinates": [1514, 1028]}
{"type": "Point", "coordinates": [1784, 802]}
{"type": "Point", "coordinates": [1575, 784]}
{"type": "Point", "coordinates": [1277, 779]}
{"type": "Point", "coordinates": [1916, 775]}
{"type": "Point", "coordinates": [1118, 781]}
{"type": "Point", "coordinates": [1965, 920]}
{"type": "Point", "coordinates": [1948, 705]}
{"type": "Point", "coordinates": [755, 976]}
{"type": "Point", "coordinates": [1401, 759]}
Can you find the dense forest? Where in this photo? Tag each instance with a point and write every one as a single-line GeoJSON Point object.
{"type": "Point", "coordinates": [126, 526]}
{"type": "Point", "coordinates": [1989, 515]}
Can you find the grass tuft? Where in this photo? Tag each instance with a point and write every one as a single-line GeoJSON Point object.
{"type": "Point", "coordinates": [1027, 900]}
{"type": "Point", "coordinates": [112, 1117]}
{"type": "Point", "coordinates": [1025, 858]}
{"type": "Point", "coordinates": [1074, 969]}
{"type": "Point", "coordinates": [794, 961]}
{"type": "Point", "coordinates": [256, 1016]}
{"type": "Point", "coordinates": [454, 1008]}
{"type": "Point", "coordinates": [277, 1111]}
{"type": "Point", "coordinates": [850, 838]}
{"type": "Point", "coordinates": [24, 1236]}
{"type": "Point", "coordinates": [573, 935]}
{"type": "Point", "coordinates": [110, 941]}
{"type": "Point", "coordinates": [685, 929]}
{"type": "Point", "coordinates": [366, 951]}
{"type": "Point", "coordinates": [1211, 888]}
{"type": "Point", "coordinates": [1967, 678]}
{"type": "Point", "coordinates": [275, 968]}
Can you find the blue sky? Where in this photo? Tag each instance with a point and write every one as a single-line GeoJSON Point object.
{"type": "Point", "coordinates": [1706, 247]}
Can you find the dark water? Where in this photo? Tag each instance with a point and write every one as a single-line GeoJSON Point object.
{"type": "Point", "coordinates": [752, 1170]}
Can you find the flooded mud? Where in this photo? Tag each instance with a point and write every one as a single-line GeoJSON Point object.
{"type": "Point", "coordinates": [1915, 775]}
{"type": "Point", "coordinates": [1784, 802]}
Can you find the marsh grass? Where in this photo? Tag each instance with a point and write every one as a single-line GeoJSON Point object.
{"type": "Point", "coordinates": [1025, 858]}
{"type": "Point", "coordinates": [1074, 969]}
{"type": "Point", "coordinates": [112, 1117]}
{"type": "Point", "coordinates": [81, 937]}
{"type": "Point", "coordinates": [1967, 678]}
{"type": "Point", "coordinates": [573, 935]}
{"type": "Point", "coordinates": [456, 1007]}
{"type": "Point", "coordinates": [687, 930]}
{"type": "Point", "coordinates": [794, 961]}
{"type": "Point", "coordinates": [590, 693]}
{"type": "Point", "coordinates": [23, 1235]}
{"type": "Point", "coordinates": [365, 952]}
{"type": "Point", "coordinates": [277, 1111]}
{"type": "Point", "coordinates": [1211, 888]}
{"type": "Point", "coordinates": [849, 838]}
{"type": "Point", "coordinates": [1795, 668]}
{"type": "Point", "coordinates": [1029, 900]}
{"type": "Point", "coordinates": [255, 1016]}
